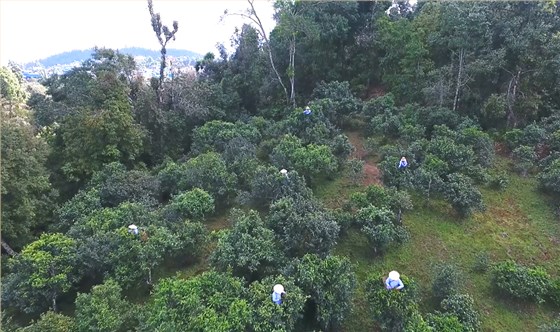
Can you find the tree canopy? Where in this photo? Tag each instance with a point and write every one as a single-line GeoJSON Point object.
{"type": "Point", "coordinates": [177, 202]}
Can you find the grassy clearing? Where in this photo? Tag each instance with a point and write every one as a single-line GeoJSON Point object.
{"type": "Point", "coordinates": [518, 224]}
{"type": "Point", "coordinates": [334, 193]}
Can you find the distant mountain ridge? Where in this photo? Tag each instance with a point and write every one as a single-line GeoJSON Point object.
{"type": "Point", "coordinates": [82, 55]}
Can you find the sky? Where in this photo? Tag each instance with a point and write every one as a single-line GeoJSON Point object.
{"type": "Point", "coordinates": [35, 29]}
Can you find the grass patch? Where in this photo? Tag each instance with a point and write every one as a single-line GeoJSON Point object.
{"type": "Point", "coordinates": [333, 193]}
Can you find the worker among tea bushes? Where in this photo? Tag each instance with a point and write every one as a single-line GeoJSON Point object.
{"type": "Point", "coordinates": [403, 163]}
{"type": "Point", "coordinates": [133, 229]}
{"type": "Point", "coordinates": [394, 281]}
{"type": "Point", "coordinates": [277, 294]}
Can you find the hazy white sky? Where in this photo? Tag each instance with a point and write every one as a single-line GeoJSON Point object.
{"type": "Point", "coordinates": [35, 29]}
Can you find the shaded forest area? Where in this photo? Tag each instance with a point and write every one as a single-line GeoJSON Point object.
{"type": "Point", "coordinates": [277, 164]}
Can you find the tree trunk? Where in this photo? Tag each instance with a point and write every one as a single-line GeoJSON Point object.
{"type": "Point", "coordinates": [429, 189]}
{"type": "Point", "coordinates": [459, 79]}
{"type": "Point", "coordinates": [292, 70]}
{"type": "Point", "coordinates": [257, 20]}
{"type": "Point", "coordinates": [54, 303]}
{"type": "Point", "coordinates": [149, 281]}
{"type": "Point", "coordinates": [441, 88]}
{"type": "Point", "coordinates": [8, 249]}
{"type": "Point", "coordinates": [161, 74]}
{"type": "Point", "coordinates": [511, 97]}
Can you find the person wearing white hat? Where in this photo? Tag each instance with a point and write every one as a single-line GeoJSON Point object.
{"type": "Point", "coordinates": [403, 163]}
{"type": "Point", "coordinates": [133, 229]}
{"type": "Point", "coordinates": [277, 292]}
{"type": "Point", "coordinates": [394, 281]}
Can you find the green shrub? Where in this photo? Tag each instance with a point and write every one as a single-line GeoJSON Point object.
{"type": "Point", "coordinates": [525, 157]}
{"type": "Point", "coordinates": [210, 301]}
{"type": "Point", "coordinates": [417, 323]}
{"type": "Point", "coordinates": [104, 309]}
{"type": "Point", "coordinates": [194, 204]}
{"type": "Point", "coordinates": [392, 309]}
{"type": "Point", "coordinates": [549, 178]}
{"type": "Point", "coordinates": [552, 327]}
{"type": "Point", "coordinates": [460, 192]}
{"type": "Point", "coordinates": [499, 180]}
{"type": "Point", "coordinates": [302, 225]}
{"type": "Point", "coordinates": [268, 316]}
{"type": "Point", "coordinates": [209, 172]}
{"type": "Point", "coordinates": [268, 185]}
{"type": "Point", "coordinates": [248, 249]}
{"type": "Point", "coordinates": [444, 322]}
{"type": "Point", "coordinates": [215, 135]}
{"type": "Point", "coordinates": [462, 306]}
{"type": "Point", "coordinates": [344, 219]}
{"type": "Point", "coordinates": [554, 293]}
{"type": "Point", "coordinates": [481, 262]}
{"type": "Point", "coordinates": [51, 322]}
{"type": "Point", "coordinates": [330, 285]}
{"type": "Point", "coordinates": [447, 280]}
{"type": "Point", "coordinates": [378, 105]}
{"type": "Point", "coordinates": [513, 138]}
{"type": "Point", "coordinates": [355, 170]}
{"type": "Point", "coordinates": [379, 227]}
{"type": "Point", "coordinates": [341, 147]}
{"type": "Point", "coordinates": [521, 282]}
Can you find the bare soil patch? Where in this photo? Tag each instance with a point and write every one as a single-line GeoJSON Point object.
{"type": "Point", "coordinates": [371, 172]}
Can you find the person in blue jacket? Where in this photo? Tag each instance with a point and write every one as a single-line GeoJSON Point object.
{"type": "Point", "coordinates": [277, 294]}
{"type": "Point", "coordinates": [394, 281]}
{"type": "Point", "coordinates": [403, 163]}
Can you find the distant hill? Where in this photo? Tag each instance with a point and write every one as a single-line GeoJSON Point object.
{"type": "Point", "coordinates": [81, 55]}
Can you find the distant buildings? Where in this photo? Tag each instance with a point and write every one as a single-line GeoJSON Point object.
{"type": "Point", "coordinates": [148, 67]}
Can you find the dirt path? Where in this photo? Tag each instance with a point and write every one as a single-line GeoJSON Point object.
{"type": "Point", "coordinates": [371, 172]}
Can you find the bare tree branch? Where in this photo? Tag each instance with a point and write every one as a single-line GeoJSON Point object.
{"type": "Point", "coordinates": [161, 32]}
{"type": "Point", "coordinates": [7, 248]}
{"type": "Point", "coordinates": [255, 19]}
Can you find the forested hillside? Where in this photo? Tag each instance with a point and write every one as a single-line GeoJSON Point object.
{"type": "Point", "coordinates": [178, 203]}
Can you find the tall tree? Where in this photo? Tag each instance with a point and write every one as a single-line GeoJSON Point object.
{"type": "Point", "coordinates": [405, 60]}
{"type": "Point", "coordinates": [163, 34]}
{"type": "Point", "coordinates": [330, 283]}
{"type": "Point", "coordinates": [289, 25]}
{"type": "Point", "coordinates": [104, 309]}
{"type": "Point", "coordinates": [247, 68]}
{"type": "Point", "coordinates": [253, 16]}
{"type": "Point", "coordinates": [463, 37]}
{"type": "Point", "coordinates": [27, 195]}
{"type": "Point", "coordinates": [207, 302]}
{"type": "Point", "coordinates": [528, 33]}
{"type": "Point", "coordinates": [41, 273]}
{"type": "Point", "coordinates": [12, 91]}
{"type": "Point", "coordinates": [96, 135]}
{"type": "Point", "coordinates": [322, 33]}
